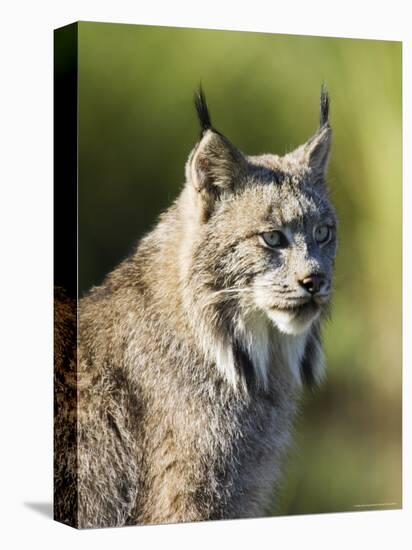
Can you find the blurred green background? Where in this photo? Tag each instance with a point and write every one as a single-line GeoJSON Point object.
{"type": "Point", "coordinates": [137, 126]}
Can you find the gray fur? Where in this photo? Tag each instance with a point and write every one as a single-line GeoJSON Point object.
{"type": "Point", "coordinates": [192, 351]}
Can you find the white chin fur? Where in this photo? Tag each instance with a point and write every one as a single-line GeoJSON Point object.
{"type": "Point", "coordinates": [290, 323]}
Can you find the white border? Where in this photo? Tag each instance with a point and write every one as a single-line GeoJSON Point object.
{"type": "Point", "coordinates": [26, 267]}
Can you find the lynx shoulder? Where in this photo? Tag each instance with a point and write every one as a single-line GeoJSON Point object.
{"type": "Point", "coordinates": [194, 350]}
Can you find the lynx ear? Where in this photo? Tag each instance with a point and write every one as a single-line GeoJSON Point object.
{"type": "Point", "coordinates": [317, 152]}
{"type": "Point", "coordinates": [215, 165]}
{"type": "Point", "coordinates": [314, 154]}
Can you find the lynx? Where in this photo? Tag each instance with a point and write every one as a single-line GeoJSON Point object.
{"type": "Point", "coordinates": [194, 351]}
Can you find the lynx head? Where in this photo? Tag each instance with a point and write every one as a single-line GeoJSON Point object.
{"type": "Point", "coordinates": [263, 233]}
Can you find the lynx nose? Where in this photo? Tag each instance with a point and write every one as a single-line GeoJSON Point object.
{"type": "Point", "coordinates": [313, 283]}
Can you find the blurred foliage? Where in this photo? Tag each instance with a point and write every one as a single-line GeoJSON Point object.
{"type": "Point", "coordinates": [136, 128]}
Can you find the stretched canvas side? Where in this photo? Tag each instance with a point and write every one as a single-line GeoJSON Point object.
{"type": "Point", "coordinates": [65, 275]}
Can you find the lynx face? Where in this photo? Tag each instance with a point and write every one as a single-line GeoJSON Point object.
{"type": "Point", "coordinates": [270, 248]}
{"type": "Point", "coordinates": [266, 232]}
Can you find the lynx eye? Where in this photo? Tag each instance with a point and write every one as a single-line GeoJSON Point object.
{"type": "Point", "coordinates": [322, 233]}
{"type": "Point", "coordinates": [273, 239]}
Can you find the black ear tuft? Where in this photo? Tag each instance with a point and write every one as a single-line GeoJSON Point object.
{"type": "Point", "coordinates": [202, 111]}
{"type": "Point", "coordinates": [324, 106]}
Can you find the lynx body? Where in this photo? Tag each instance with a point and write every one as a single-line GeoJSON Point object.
{"type": "Point", "coordinates": [193, 352]}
